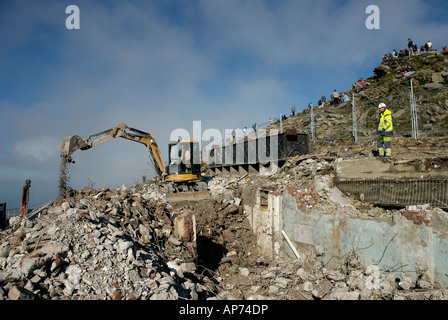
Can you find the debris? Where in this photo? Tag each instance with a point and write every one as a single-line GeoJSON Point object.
{"type": "Point", "coordinates": [290, 244]}
{"type": "Point", "coordinates": [130, 243]}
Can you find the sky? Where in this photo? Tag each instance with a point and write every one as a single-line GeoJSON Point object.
{"type": "Point", "coordinates": [160, 65]}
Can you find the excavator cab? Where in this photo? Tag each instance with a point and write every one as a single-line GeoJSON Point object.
{"type": "Point", "coordinates": [185, 161]}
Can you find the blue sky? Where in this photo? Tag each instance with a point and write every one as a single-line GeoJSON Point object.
{"type": "Point", "coordinates": [158, 65]}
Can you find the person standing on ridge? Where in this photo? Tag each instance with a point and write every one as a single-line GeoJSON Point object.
{"type": "Point", "coordinates": [411, 46]}
{"type": "Point", "coordinates": [385, 131]}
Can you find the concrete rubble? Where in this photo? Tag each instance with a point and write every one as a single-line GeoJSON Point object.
{"type": "Point", "coordinates": [125, 244]}
{"type": "Point", "coordinates": [97, 244]}
{"type": "Point", "coordinates": [131, 244]}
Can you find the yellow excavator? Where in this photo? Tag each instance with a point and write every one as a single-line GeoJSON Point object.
{"type": "Point", "coordinates": [180, 180]}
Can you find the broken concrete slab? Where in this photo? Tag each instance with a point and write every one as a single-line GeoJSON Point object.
{"type": "Point", "coordinates": [17, 293]}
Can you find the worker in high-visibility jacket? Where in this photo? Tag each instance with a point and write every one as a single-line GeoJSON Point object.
{"type": "Point", "coordinates": [385, 131]}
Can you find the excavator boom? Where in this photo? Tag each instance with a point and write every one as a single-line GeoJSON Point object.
{"type": "Point", "coordinates": [72, 143]}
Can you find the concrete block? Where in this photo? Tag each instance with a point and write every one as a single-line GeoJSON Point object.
{"type": "Point", "coordinates": [338, 197]}
{"type": "Point", "coordinates": [308, 286]}
{"type": "Point", "coordinates": [244, 272]}
{"type": "Point", "coordinates": [352, 295]}
{"type": "Point", "coordinates": [4, 250]}
{"type": "Point", "coordinates": [17, 293]}
{"type": "Point", "coordinates": [31, 262]}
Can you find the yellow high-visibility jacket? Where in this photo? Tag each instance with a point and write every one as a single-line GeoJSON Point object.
{"type": "Point", "coordinates": [386, 123]}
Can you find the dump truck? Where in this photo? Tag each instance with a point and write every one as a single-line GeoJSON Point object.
{"type": "Point", "coordinates": [180, 180]}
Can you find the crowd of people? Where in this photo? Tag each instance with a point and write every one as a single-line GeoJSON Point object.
{"type": "Point", "coordinates": [337, 98]}
{"type": "Point", "coordinates": [412, 49]}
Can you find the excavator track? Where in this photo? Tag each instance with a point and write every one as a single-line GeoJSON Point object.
{"type": "Point", "coordinates": [185, 192]}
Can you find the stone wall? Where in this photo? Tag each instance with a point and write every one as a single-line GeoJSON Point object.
{"type": "Point", "coordinates": [413, 242]}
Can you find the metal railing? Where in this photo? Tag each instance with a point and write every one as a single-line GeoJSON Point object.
{"type": "Point", "coordinates": [355, 124]}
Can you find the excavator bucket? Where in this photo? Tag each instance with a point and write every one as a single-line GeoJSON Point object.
{"type": "Point", "coordinates": [71, 144]}
{"type": "Point", "coordinates": [188, 196]}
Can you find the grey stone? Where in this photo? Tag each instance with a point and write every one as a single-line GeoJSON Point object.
{"type": "Point", "coordinates": [273, 289]}
{"type": "Point", "coordinates": [4, 250]}
{"type": "Point", "coordinates": [188, 267]}
{"type": "Point", "coordinates": [244, 272]}
{"type": "Point", "coordinates": [282, 282]}
{"type": "Point", "coordinates": [424, 284]}
{"type": "Point", "coordinates": [352, 295]}
{"type": "Point", "coordinates": [308, 286]}
{"type": "Point", "coordinates": [405, 282]}
{"type": "Point", "coordinates": [365, 294]}
{"type": "Point", "coordinates": [335, 275]}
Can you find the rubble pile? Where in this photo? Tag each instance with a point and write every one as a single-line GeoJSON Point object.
{"type": "Point", "coordinates": [245, 273]}
{"type": "Point", "coordinates": [124, 244]}
{"type": "Point", "coordinates": [121, 244]}
{"type": "Point", "coordinates": [317, 172]}
{"type": "Point", "coordinates": [98, 244]}
{"type": "Point", "coordinates": [308, 278]}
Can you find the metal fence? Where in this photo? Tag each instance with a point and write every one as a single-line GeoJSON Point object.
{"type": "Point", "coordinates": [357, 119]}
{"type": "Point", "coordinates": [415, 114]}
{"type": "Point", "coordinates": [12, 212]}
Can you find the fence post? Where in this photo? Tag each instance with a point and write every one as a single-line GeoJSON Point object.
{"type": "Point", "coordinates": [281, 123]}
{"type": "Point", "coordinates": [312, 124]}
{"type": "Point", "coordinates": [355, 122]}
{"type": "Point", "coordinates": [3, 215]}
{"type": "Point", "coordinates": [414, 120]}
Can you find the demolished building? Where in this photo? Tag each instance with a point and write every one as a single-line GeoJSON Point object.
{"type": "Point", "coordinates": [311, 227]}
{"type": "Point", "coordinates": [286, 235]}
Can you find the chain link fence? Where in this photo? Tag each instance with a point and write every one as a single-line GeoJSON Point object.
{"type": "Point", "coordinates": [415, 114]}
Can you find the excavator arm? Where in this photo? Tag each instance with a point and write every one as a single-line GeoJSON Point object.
{"type": "Point", "coordinates": [73, 143]}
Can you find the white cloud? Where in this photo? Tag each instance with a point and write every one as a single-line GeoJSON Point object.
{"type": "Point", "coordinates": [40, 149]}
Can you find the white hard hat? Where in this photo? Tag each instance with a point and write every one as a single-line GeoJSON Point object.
{"type": "Point", "coordinates": [381, 105]}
